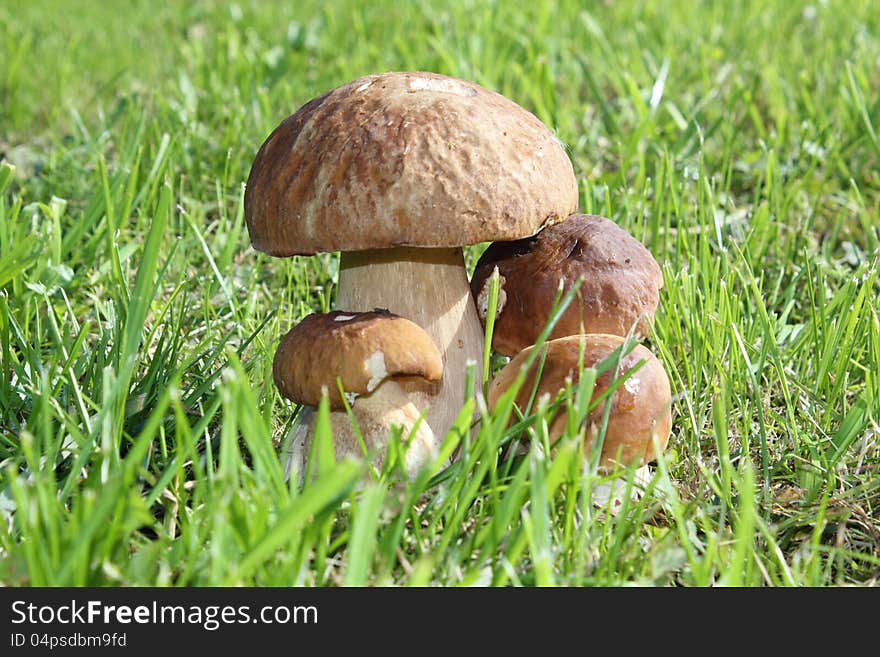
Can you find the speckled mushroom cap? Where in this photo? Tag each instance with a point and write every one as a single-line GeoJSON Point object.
{"type": "Point", "coordinates": [640, 406]}
{"type": "Point", "coordinates": [362, 349]}
{"type": "Point", "coordinates": [406, 159]}
{"type": "Point", "coordinates": [621, 282]}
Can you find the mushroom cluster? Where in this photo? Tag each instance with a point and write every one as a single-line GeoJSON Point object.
{"type": "Point", "coordinates": [399, 171]}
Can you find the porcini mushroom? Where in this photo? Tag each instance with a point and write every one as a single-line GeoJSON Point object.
{"type": "Point", "coordinates": [619, 290]}
{"type": "Point", "coordinates": [372, 354]}
{"type": "Point", "coordinates": [398, 171]}
{"type": "Point", "coordinates": [640, 412]}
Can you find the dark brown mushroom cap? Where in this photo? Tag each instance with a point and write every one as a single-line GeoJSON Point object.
{"type": "Point", "coordinates": [362, 349]}
{"type": "Point", "coordinates": [621, 282]}
{"type": "Point", "coordinates": [640, 406]}
{"type": "Point", "coordinates": [406, 159]}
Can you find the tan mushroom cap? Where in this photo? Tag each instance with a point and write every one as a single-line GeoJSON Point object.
{"type": "Point", "coordinates": [406, 159]}
{"type": "Point", "coordinates": [640, 406]}
{"type": "Point", "coordinates": [621, 282]}
{"type": "Point", "coordinates": [362, 349]}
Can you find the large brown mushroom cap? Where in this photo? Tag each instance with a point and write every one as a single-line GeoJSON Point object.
{"type": "Point", "coordinates": [406, 159]}
{"type": "Point", "coordinates": [640, 406]}
{"type": "Point", "coordinates": [621, 282]}
{"type": "Point", "coordinates": [362, 349]}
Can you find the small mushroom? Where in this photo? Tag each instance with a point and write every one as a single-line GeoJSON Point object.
{"type": "Point", "coordinates": [398, 171]}
{"type": "Point", "coordinates": [372, 354]}
{"type": "Point", "coordinates": [619, 290]}
{"type": "Point", "coordinates": [640, 406]}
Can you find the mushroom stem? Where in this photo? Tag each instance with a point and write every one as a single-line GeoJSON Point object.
{"type": "Point", "coordinates": [429, 287]}
{"type": "Point", "coordinates": [389, 405]}
{"type": "Point", "coordinates": [609, 495]}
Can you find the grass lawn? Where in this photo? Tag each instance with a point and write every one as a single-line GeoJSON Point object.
{"type": "Point", "coordinates": [140, 429]}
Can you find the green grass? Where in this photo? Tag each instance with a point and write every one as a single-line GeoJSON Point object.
{"type": "Point", "coordinates": [139, 425]}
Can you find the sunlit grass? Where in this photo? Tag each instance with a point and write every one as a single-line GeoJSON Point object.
{"type": "Point", "coordinates": [141, 432]}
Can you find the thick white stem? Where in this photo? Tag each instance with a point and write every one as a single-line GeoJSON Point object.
{"type": "Point", "coordinates": [388, 406]}
{"type": "Point", "coordinates": [609, 495]}
{"type": "Point", "coordinates": [428, 287]}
